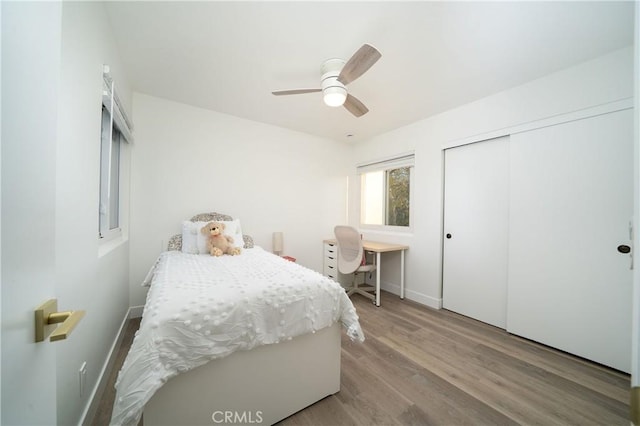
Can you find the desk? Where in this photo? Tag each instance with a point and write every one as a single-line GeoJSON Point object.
{"type": "Point", "coordinates": [378, 248]}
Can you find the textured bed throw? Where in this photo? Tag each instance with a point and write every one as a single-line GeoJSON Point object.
{"type": "Point", "coordinates": [200, 308]}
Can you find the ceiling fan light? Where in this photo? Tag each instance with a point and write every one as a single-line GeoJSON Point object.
{"type": "Point", "coordinates": [335, 96]}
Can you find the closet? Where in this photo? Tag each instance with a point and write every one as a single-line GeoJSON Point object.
{"type": "Point", "coordinates": [536, 228]}
{"type": "Point", "coordinates": [476, 230]}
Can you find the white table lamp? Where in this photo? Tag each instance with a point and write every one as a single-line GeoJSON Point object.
{"type": "Point", "coordinates": [277, 243]}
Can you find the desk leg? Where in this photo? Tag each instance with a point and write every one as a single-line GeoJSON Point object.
{"type": "Point", "coordinates": [378, 278]}
{"type": "Point", "coordinates": [401, 274]}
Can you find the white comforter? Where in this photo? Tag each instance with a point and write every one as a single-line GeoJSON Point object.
{"type": "Point", "coordinates": [201, 307]}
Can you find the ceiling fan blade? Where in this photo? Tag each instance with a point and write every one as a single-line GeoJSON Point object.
{"type": "Point", "coordinates": [295, 91]}
{"type": "Point", "coordinates": [354, 106]}
{"type": "Point", "coordinates": [359, 63]}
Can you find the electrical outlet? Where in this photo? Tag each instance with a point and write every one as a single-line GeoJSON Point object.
{"type": "Point", "coordinates": [82, 377]}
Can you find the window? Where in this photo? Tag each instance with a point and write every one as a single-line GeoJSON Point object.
{"type": "Point", "coordinates": [115, 130]}
{"type": "Point", "coordinates": [109, 176]}
{"type": "Point", "coordinates": [386, 192]}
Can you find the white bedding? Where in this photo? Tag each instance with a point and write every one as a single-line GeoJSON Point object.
{"type": "Point", "coordinates": [201, 308]}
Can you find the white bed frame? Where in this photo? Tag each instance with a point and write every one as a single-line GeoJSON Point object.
{"type": "Point", "coordinates": [261, 386]}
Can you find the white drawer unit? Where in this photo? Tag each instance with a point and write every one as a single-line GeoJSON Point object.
{"type": "Point", "coordinates": [330, 260]}
{"type": "Point", "coordinates": [330, 264]}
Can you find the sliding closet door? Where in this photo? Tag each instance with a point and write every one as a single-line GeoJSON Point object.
{"type": "Point", "coordinates": [570, 206]}
{"type": "Point", "coordinates": [476, 230]}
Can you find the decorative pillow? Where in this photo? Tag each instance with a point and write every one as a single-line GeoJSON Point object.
{"type": "Point", "coordinates": [231, 228]}
{"type": "Point", "coordinates": [190, 231]}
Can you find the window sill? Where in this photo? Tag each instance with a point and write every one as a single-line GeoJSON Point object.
{"type": "Point", "coordinates": [387, 230]}
{"type": "Point", "coordinates": [106, 247]}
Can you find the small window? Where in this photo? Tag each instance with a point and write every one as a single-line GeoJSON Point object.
{"type": "Point", "coordinates": [109, 176]}
{"type": "Point", "coordinates": [115, 131]}
{"type": "Point", "coordinates": [386, 192]}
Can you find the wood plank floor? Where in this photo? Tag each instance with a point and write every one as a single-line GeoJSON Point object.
{"type": "Point", "coordinates": [428, 367]}
{"type": "Point", "coordinates": [103, 412]}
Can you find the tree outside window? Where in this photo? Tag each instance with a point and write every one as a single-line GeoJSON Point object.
{"type": "Point", "coordinates": [386, 196]}
{"type": "Point", "coordinates": [398, 198]}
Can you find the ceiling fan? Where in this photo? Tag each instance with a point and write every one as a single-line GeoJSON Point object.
{"type": "Point", "coordinates": [336, 74]}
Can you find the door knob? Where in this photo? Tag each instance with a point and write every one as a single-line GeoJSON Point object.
{"type": "Point", "coordinates": [47, 316]}
{"type": "Point", "coordinates": [624, 249]}
{"type": "Point", "coordinates": [448, 236]}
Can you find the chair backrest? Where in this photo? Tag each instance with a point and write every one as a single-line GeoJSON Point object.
{"type": "Point", "coordinates": [349, 248]}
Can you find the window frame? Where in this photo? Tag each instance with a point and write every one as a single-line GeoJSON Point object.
{"type": "Point", "coordinates": [386, 165]}
{"type": "Point", "coordinates": [108, 137]}
{"type": "Point", "coordinates": [115, 126]}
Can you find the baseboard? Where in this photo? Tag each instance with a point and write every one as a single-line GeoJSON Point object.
{"type": "Point", "coordinates": [423, 299]}
{"type": "Point", "coordinates": [432, 302]}
{"type": "Point", "coordinates": [136, 311]}
{"type": "Point", "coordinates": [634, 405]}
{"type": "Point", "coordinates": [98, 390]}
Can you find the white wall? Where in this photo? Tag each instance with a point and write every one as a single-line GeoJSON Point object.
{"type": "Point", "coordinates": [0, 210]}
{"type": "Point", "coordinates": [602, 80]}
{"type": "Point", "coordinates": [188, 160]}
{"type": "Point", "coordinates": [635, 330]}
{"type": "Point", "coordinates": [52, 98]}
{"type": "Point", "coordinates": [86, 277]}
{"type": "Point", "coordinates": [30, 79]}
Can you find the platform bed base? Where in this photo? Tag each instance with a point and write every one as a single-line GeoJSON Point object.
{"type": "Point", "coordinates": [257, 387]}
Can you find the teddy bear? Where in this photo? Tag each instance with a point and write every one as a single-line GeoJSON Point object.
{"type": "Point", "coordinates": [218, 243]}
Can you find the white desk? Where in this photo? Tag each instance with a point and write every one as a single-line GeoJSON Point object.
{"type": "Point", "coordinates": [378, 248]}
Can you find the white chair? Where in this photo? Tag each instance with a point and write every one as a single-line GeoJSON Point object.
{"type": "Point", "coordinates": [350, 259]}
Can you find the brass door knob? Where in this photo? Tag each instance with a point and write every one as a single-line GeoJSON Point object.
{"type": "Point", "coordinates": [47, 316]}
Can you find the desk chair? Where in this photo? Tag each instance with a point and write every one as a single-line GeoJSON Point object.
{"type": "Point", "coordinates": [350, 259]}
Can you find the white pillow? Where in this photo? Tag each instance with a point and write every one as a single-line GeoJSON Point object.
{"type": "Point", "coordinates": [231, 228]}
{"type": "Point", "coordinates": [190, 232]}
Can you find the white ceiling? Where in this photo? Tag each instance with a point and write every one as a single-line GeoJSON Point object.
{"type": "Point", "coordinates": [230, 56]}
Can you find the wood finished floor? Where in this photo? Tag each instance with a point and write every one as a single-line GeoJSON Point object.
{"type": "Point", "coordinates": [103, 412]}
{"type": "Point", "coordinates": [420, 366]}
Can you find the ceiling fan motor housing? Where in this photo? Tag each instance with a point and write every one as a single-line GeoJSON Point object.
{"type": "Point", "coordinates": [335, 74]}
{"type": "Point", "coordinates": [334, 91]}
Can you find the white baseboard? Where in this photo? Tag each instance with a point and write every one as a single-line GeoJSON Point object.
{"type": "Point", "coordinates": [432, 302]}
{"type": "Point", "coordinates": [136, 311]}
{"type": "Point", "coordinates": [92, 404]}
{"type": "Point", "coordinates": [423, 299]}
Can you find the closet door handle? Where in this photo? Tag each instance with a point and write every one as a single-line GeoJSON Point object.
{"type": "Point", "coordinates": [448, 236]}
{"type": "Point", "coordinates": [624, 249]}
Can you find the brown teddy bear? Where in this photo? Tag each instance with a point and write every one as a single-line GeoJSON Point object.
{"type": "Point", "coordinates": [218, 243]}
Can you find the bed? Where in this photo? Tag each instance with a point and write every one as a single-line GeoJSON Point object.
{"type": "Point", "coordinates": [247, 339]}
